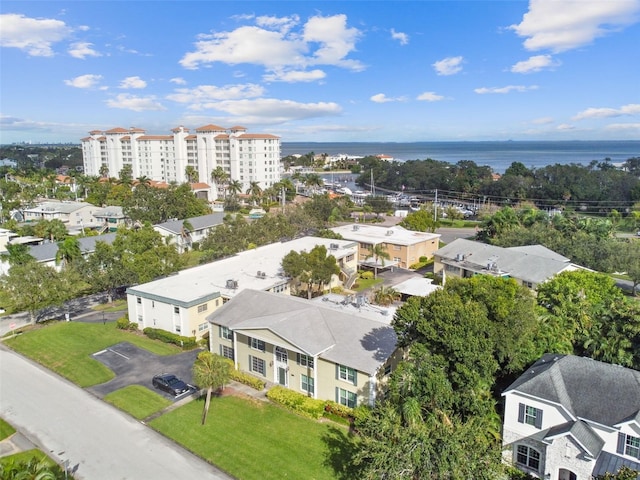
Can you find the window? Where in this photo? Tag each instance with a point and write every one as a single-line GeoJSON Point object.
{"type": "Point", "coordinates": [306, 384]}
{"type": "Point", "coordinates": [226, 352]}
{"type": "Point", "coordinates": [225, 333]}
{"type": "Point", "coordinates": [178, 328]}
{"type": "Point", "coordinates": [138, 300]}
{"type": "Point", "coordinates": [176, 310]}
{"type": "Point", "coordinates": [202, 308]}
{"type": "Point", "coordinates": [282, 355]}
{"type": "Point", "coordinates": [528, 457]}
{"type": "Point", "coordinates": [628, 445]}
{"type": "Point", "coordinates": [257, 365]}
{"type": "Point", "coordinates": [530, 415]}
{"type": "Point", "coordinates": [347, 374]}
{"type": "Point", "coordinates": [346, 398]}
{"type": "Point", "coordinates": [305, 360]}
{"type": "Point", "coordinates": [387, 369]}
{"type": "Point", "coordinates": [203, 326]}
{"type": "Point", "coordinates": [256, 344]}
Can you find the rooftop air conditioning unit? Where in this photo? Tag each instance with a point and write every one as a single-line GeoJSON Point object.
{"type": "Point", "coordinates": [263, 275]}
{"type": "Point", "coordinates": [232, 284]}
{"type": "Point", "coordinates": [389, 232]}
{"type": "Point", "coordinates": [333, 246]}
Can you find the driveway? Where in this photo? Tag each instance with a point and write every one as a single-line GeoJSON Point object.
{"type": "Point", "coordinates": [136, 366]}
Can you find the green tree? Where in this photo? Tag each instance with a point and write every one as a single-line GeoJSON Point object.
{"type": "Point", "coordinates": [32, 287]}
{"type": "Point", "coordinates": [385, 295]}
{"type": "Point", "coordinates": [312, 268]}
{"type": "Point", "coordinates": [254, 191]}
{"type": "Point", "coordinates": [378, 204]}
{"type": "Point", "coordinates": [212, 372]}
{"type": "Point", "coordinates": [420, 221]}
{"type": "Point", "coordinates": [191, 173]}
{"type": "Point", "coordinates": [104, 171]}
{"type": "Point", "coordinates": [17, 254]}
{"type": "Point", "coordinates": [624, 473]}
{"type": "Point", "coordinates": [379, 254]}
{"type": "Point", "coordinates": [220, 178]}
{"type": "Point", "coordinates": [53, 230]}
{"type": "Point", "coordinates": [68, 251]}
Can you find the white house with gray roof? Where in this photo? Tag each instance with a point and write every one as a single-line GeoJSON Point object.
{"type": "Point", "coordinates": [304, 346]}
{"type": "Point", "coordinates": [180, 302]}
{"type": "Point", "coordinates": [572, 418]}
{"type": "Point", "coordinates": [530, 265]}
{"type": "Point", "coordinates": [183, 238]}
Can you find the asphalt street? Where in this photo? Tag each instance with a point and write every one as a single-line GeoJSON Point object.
{"type": "Point", "coordinates": [94, 439]}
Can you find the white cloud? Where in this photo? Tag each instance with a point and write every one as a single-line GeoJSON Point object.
{"type": "Point", "coordinates": [84, 81]}
{"type": "Point", "coordinates": [295, 76]}
{"type": "Point", "coordinates": [448, 66]}
{"type": "Point", "coordinates": [133, 82]}
{"type": "Point", "coordinates": [273, 111]}
{"type": "Point", "coordinates": [83, 50]}
{"type": "Point", "coordinates": [535, 64]}
{"type": "Point", "coordinates": [380, 98]}
{"type": "Point", "coordinates": [202, 95]}
{"type": "Point", "coordinates": [543, 121]}
{"type": "Point", "coordinates": [507, 89]}
{"type": "Point", "coordinates": [630, 109]}
{"type": "Point", "coordinates": [127, 101]}
{"type": "Point", "coordinates": [430, 97]}
{"type": "Point", "coordinates": [320, 41]}
{"type": "Point", "coordinates": [178, 81]}
{"type": "Point", "coordinates": [403, 38]}
{"type": "Point", "coordinates": [561, 25]}
{"type": "Point", "coordinates": [564, 127]}
{"type": "Point", "coordinates": [623, 127]}
{"type": "Point", "coordinates": [35, 36]}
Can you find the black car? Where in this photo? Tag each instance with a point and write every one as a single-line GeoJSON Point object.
{"type": "Point", "coordinates": [170, 384]}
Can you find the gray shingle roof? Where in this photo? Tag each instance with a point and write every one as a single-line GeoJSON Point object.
{"type": "Point", "coordinates": [338, 337]}
{"type": "Point", "coordinates": [198, 223]}
{"type": "Point", "coordinates": [582, 432]}
{"type": "Point", "coordinates": [46, 252]}
{"type": "Point", "coordinates": [610, 463]}
{"type": "Point", "coordinates": [588, 389]}
{"type": "Point", "coordinates": [534, 263]}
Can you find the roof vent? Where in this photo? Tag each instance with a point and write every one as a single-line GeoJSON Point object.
{"type": "Point", "coordinates": [389, 232]}
{"type": "Point", "coordinates": [333, 246]}
{"type": "Point", "coordinates": [355, 227]}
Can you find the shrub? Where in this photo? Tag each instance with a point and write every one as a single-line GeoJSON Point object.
{"type": "Point", "coordinates": [186, 343]}
{"type": "Point", "coordinates": [337, 409]}
{"type": "Point", "coordinates": [123, 323]}
{"type": "Point", "coordinates": [247, 379]}
{"type": "Point", "coordinates": [366, 275]}
{"type": "Point", "coordinates": [297, 402]}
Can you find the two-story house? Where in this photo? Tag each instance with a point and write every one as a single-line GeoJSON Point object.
{"type": "Point", "coordinates": [306, 347]}
{"type": "Point", "coordinates": [572, 418]}
{"type": "Point", "coordinates": [196, 230]}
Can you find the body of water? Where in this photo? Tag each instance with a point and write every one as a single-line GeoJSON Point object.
{"type": "Point", "coordinates": [498, 155]}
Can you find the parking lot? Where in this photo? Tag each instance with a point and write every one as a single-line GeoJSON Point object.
{"type": "Point", "coordinates": [135, 366]}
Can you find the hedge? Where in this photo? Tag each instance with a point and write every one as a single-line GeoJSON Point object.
{"type": "Point", "coordinates": [247, 379]}
{"type": "Point", "coordinates": [297, 402]}
{"type": "Point", "coordinates": [186, 343]}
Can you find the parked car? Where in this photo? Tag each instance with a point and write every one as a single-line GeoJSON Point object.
{"type": "Point", "coordinates": [170, 383]}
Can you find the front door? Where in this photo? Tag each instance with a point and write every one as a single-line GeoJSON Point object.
{"type": "Point", "coordinates": [282, 376]}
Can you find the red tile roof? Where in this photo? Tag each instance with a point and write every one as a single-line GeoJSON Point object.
{"type": "Point", "coordinates": [210, 128]}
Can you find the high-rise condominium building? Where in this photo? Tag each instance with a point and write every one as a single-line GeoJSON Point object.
{"type": "Point", "coordinates": [246, 157]}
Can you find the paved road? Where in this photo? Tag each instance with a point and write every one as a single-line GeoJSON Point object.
{"type": "Point", "coordinates": [97, 440]}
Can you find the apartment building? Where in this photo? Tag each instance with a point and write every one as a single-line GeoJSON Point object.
{"type": "Point", "coordinates": [246, 157]}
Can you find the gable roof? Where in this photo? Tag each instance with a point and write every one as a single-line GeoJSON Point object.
{"type": "Point", "coordinates": [46, 252]}
{"type": "Point", "coordinates": [198, 223]}
{"type": "Point", "coordinates": [342, 338]}
{"type": "Point", "coordinates": [533, 263]}
{"type": "Point", "coordinates": [586, 388]}
{"type": "Point", "coordinates": [582, 433]}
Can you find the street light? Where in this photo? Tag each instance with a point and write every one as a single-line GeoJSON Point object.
{"type": "Point", "coordinates": [104, 322]}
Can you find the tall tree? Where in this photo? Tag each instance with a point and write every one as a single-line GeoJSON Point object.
{"type": "Point", "coordinates": [191, 173]}
{"type": "Point", "coordinates": [314, 268]}
{"type": "Point", "coordinates": [379, 254]}
{"type": "Point", "coordinates": [212, 372]}
{"type": "Point", "coordinates": [68, 251]}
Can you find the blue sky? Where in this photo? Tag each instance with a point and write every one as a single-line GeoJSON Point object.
{"type": "Point", "coordinates": [341, 71]}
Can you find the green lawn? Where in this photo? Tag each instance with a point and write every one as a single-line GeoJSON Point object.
{"type": "Point", "coordinates": [255, 440]}
{"type": "Point", "coordinates": [6, 430]}
{"type": "Point", "coordinates": [66, 348]}
{"type": "Point", "coordinates": [115, 306]}
{"type": "Point", "coordinates": [364, 283]}
{"type": "Point", "coordinates": [137, 401]}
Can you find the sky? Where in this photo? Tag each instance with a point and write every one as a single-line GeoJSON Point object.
{"type": "Point", "coordinates": [333, 71]}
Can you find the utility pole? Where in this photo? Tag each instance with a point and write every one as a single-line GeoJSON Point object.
{"type": "Point", "coordinates": [435, 207]}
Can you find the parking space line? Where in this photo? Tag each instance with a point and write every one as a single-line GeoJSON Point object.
{"type": "Point", "coordinates": [118, 353]}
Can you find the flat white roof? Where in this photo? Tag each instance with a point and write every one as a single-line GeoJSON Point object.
{"type": "Point", "coordinates": [375, 234]}
{"type": "Point", "coordinates": [187, 287]}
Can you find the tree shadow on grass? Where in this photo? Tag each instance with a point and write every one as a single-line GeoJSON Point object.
{"type": "Point", "coordinates": [341, 447]}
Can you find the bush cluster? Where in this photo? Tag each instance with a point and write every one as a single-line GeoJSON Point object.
{"type": "Point", "coordinates": [186, 343]}
{"type": "Point", "coordinates": [297, 402]}
{"type": "Point", "coordinates": [123, 323]}
{"type": "Point", "coordinates": [247, 379]}
{"type": "Point", "coordinates": [366, 275]}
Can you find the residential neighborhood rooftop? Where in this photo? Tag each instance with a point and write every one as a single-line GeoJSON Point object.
{"type": "Point", "coordinates": [375, 234]}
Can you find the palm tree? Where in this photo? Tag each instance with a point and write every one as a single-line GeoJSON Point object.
{"type": "Point", "coordinates": [385, 295]}
{"type": "Point", "coordinates": [68, 250]}
{"type": "Point", "coordinates": [220, 178]}
{"type": "Point", "coordinates": [104, 171]}
{"type": "Point", "coordinates": [191, 173]}
{"type": "Point", "coordinates": [255, 191]}
{"type": "Point", "coordinates": [379, 252]}
{"type": "Point", "coordinates": [234, 187]}
{"type": "Point", "coordinates": [211, 372]}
